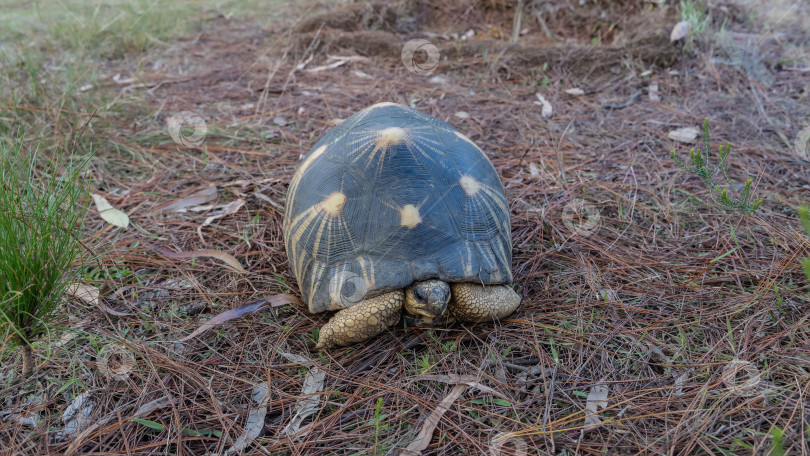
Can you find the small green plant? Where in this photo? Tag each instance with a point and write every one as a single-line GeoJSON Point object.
{"type": "Point", "coordinates": [424, 364]}
{"type": "Point", "coordinates": [378, 421]}
{"type": "Point", "coordinates": [696, 15]}
{"type": "Point", "coordinates": [447, 347]}
{"type": "Point", "coordinates": [539, 76]}
{"type": "Point", "coordinates": [777, 442]}
{"type": "Point", "coordinates": [42, 207]}
{"type": "Point", "coordinates": [701, 166]}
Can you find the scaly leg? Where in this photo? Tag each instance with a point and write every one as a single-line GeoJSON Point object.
{"type": "Point", "coordinates": [362, 321]}
{"type": "Point", "coordinates": [473, 302]}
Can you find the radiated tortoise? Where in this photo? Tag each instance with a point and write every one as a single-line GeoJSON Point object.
{"type": "Point", "coordinates": [394, 210]}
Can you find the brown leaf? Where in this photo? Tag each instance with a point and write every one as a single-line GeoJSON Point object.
{"type": "Point", "coordinates": [468, 380]}
{"type": "Point", "coordinates": [422, 440]}
{"type": "Point", "coordinates": [247, 309]}
{"type": "Point", "coordinates": [597, 399]}
{"type": "Point", "coordinates": [198, 198]}
{"type": "Point", "coordinates": [86, 293]}
{"type": "Point", "coordinates": [309, 402]}
{"type": "Point", "coordinates": [268, 200]}
{"type": "Point", "coordinates": [231, 208]}
{"type": "Point", "coordinates": [226, 258]}
{"type": "Point", "coordinates": [255, 421]}
{"type": "Point", "coordinates": [92, 295]}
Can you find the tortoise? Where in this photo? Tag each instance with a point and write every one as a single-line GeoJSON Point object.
{"type": "Point", "coordinates": [395, 213]}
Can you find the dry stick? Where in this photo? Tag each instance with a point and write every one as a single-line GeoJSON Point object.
{"type": "Point", "coordinates": [538, 13]}
{"type": "Point", "coordinates": [27, 361]}
{"type": "Point", "coordinates": [516, 22]}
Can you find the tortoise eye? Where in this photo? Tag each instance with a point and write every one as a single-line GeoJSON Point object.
{"type": "Point", "coordinates": [420, 295]}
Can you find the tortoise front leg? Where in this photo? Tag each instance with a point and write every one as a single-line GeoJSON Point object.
{"type": "Point", "coordinates": [362, 321]}
{"type": "Point", "coordinates": [473, 302]}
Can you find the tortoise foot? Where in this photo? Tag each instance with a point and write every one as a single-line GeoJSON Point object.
{"type": "Point", "coordinates": [362, 321]}
{"type": "Point", "coordinates": [479, 303]}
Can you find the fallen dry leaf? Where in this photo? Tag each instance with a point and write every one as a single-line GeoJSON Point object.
{"type": "Point", "coordinates": [309, 404]}
{"type": "Point", "coordinates": [468, 380]}
{"type": "Point", "coordinates": [575, 92]}
{"type": "Point", "coordinates": [654, 96]}
{"type": "Point", "coordinates": [231, 208]}
{"type": "Point", "coordinates": [152, 405]}
{"type": "Point", "coordinates": [86, 293]}
{"type": "Point", "coordinates": [121, 80]}
{"type": "Point", "coordinates": [348, 58]}
{"type": "Point", "coordinates": [679, 382]}
{"type": "Point", "coordinates": [684, 135]}
{"type": "Point", "coordinates": [110, 214]}
{"type": "Point", "coordinates": [247, 309]}
{"type": "Point", "coordinates": [326, 67]}
{"type": "Point", "coordinates": [269, 201]}
{"type": "Point", "coordinates": [422, 440]}
{"type": "Point", "coordinates": [76, 415]}
{"type": "Point", "coordinates": [680, 31]}
{"type": "Point", "coordinates": [92, 295]}
{"type": "Point", "coordinates": [198, 198]}
{"type": "Point", "coordinates": [226, 258]}
{"type": "Point", "coordinates": [547, 110]}
{"type": "Point", "coordinates": [255, 421]}
{"type": "Point", "coordinates": [597, 399]}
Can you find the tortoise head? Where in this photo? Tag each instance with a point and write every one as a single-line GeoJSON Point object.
{"type": "Point", "coordinates": [428, 298]}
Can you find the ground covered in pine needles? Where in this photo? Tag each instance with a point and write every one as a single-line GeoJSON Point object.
{"type": "Point", "coordinates": [654, 320]}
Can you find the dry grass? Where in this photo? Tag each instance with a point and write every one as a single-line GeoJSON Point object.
{"type": "Point", "coordinates": [657, 298]}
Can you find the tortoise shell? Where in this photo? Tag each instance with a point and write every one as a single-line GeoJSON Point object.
{"type": "Point", "coordinates": [389, 197]}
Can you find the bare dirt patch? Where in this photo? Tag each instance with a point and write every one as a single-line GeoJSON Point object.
{"type": "Point", "coordinates": [381, 29]}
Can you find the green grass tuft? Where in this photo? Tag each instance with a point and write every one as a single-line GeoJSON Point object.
{"type": "Point", "coordinates": [42, 207]}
